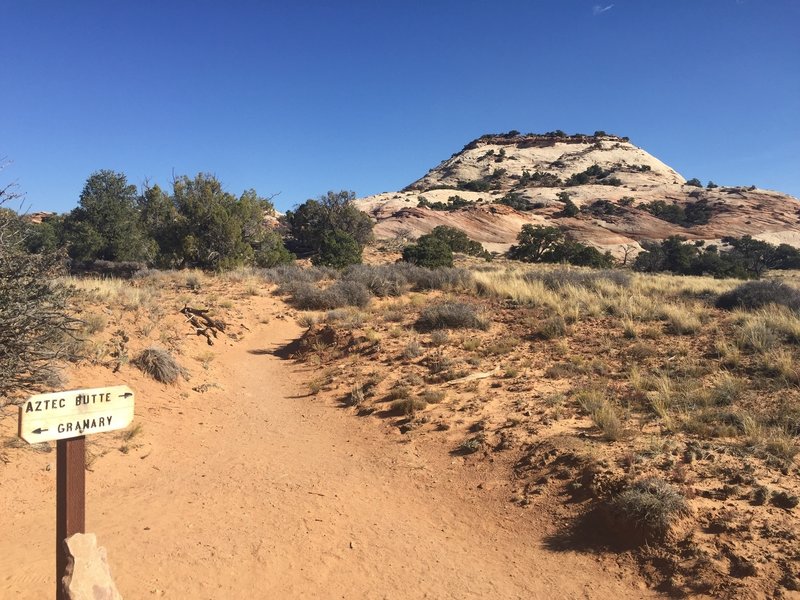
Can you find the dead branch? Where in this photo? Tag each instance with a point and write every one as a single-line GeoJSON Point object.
{"type": "Point", "coordinates": [202, 323]}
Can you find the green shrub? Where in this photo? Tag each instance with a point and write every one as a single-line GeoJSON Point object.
{"type": "Point", "coordinates": [594, 174]}
{"type": "Point", "coordinates": [570, 209]}
{"type": "Point", "coordinates": [457, 240]}
{"type": "Point", "coordinates": [537, 243]}
{"type": "Point", "coordinates": [696, 213]}
{"type": "Point", "coordinates": [453, 203]}
{"type": "Point", "coordinates": [334, 212]}
{"type": "Point", "coordinates": [337, 249]}
{"type": "Point", "coordinates": [430, 252]}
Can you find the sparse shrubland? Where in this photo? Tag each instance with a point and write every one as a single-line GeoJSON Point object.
{"type": "Point", "coordinates": [672, 396]}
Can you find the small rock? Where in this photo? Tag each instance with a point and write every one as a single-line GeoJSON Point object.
{"type": "Point", "coordinates": [87, 576]}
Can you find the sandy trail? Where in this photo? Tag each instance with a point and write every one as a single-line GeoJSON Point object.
{"type": "Point", "coordinates": [259, 491]}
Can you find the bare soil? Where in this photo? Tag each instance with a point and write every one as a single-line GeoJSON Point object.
{"type": "Point", "coordinates": [239, 484]}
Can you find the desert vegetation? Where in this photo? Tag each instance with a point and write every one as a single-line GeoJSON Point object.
{"type": "Point", "coordinates": [665, 407]}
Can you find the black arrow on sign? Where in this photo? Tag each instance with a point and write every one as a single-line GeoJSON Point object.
{"type": "Point", "coordinates": [126, 395]}
{"type": "Point", "coordinates": [39, 430]}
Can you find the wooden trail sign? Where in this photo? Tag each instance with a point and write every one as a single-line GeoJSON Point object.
{"type": "Point", "coordinates": [63, 415]}
{"type": "Point", "coordinates": [67, 417]}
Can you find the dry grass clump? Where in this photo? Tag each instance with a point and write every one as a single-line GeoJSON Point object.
{"type": "Point", "coordinates": [349, 318]}
{"type": "Point", "coordinates": [94, 323]}
{"type": "Point", "coordinates": [681, 319]}
{"type": "Point", "coordinates": [412, 350]}
{"type": "Point", "coordinates": [439, 337]}
{"type": "Point", "coordinates": [513, 286]}
{"type": "Point", "coordinates": [399, 392]}
{"type": "Point", "coordinates": [650, 505]}
{"type": "Point", "coordinates": [551, 328]}
{"type": "Point", "coordinates": [431, 396]}
{"type": "Point", "coordinates": [756, 335]}
{"type": "Point", "coordinates": [398, 278]}
{"type": "Point", "coordinates": [193, 282]}
{"type": "Point", "coordinates": [602, 412]}
{"type": "Point", "coordinates": [450, 315]}
{"type": "Point", "coordinates": [446, 279]}
{"type": "Point", "coordinates": [728, 389]}
{"type": "Point", "coordinates": [756, 294]}
{"type": "Point", "coordinates": [408, 406]}
{"type": "Point", "coordinates": [729, 354]}
{"type": "Point", "coordinates": [498, 347]}
{"type": "Point", "coordinates": [356, 396]}
{"type": "Point", "coordinates": [781, 363]}
{"type": "Point", "coordinates": [561, 277]}
{"type": "Point", "coordinates": [159, 364]}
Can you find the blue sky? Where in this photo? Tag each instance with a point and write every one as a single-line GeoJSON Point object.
{"type": "Point", "coordinates": [300, 97]}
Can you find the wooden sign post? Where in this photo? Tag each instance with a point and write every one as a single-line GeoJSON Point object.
{"type": "Point", "coordinates": [70, 500]}
{"type": "Point", "coordinates": [68, 417]}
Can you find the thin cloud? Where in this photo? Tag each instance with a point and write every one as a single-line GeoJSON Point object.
{"type": "Point", "coordinates": [597, 9]}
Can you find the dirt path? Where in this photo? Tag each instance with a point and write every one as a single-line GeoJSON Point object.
{"type": "Point", "coordinates": [259, 491]}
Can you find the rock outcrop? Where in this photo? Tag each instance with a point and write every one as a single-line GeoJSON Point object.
{"type": "Point", "coordinates": [505, 181]}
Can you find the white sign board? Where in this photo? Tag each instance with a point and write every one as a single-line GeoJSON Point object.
{"type": "Point", "coordinates": [62, 415]}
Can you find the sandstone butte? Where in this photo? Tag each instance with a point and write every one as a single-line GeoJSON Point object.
{"type": "Point", "coordinates": [612, 217]}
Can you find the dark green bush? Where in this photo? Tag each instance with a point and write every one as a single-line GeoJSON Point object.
{"type": "Point", "coordinates": [457, 240]}
{"type": "Point", "coordinates": [337, 249]}
{"type": "Point", "coordinates": [594, 174]}
{"type": "Point", "coordinates": [430, 252]}
{"type": "Point", "coordinates": [745, 257]}
{"type": "Point", "coordinates": [453, 203]}
{"type": "Point", "coordinates": [696, 213]}
{"type": "Point", "coordinates": [603, 207]}
{"type": "Point", "coordinates": [537, 243]}
{"type": "Point", "coordinates": [334, 212]}
{"type": "Point", "coordinates": [570, 209]}
{"type": "Point", "coordinates": [516, 201]}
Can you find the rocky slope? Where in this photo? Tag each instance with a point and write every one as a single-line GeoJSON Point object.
{"type": "Point", "coordinates": [610, 180]}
